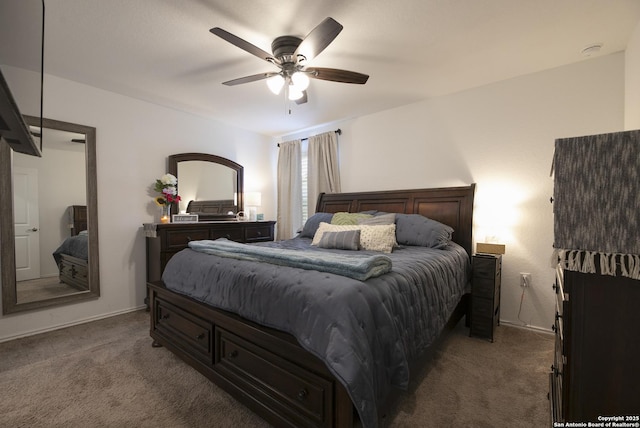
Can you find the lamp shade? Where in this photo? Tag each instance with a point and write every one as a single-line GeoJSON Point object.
{"type": "Point", "coordinates": [275, 83]}
{"type": "Point", "coordinates": [253, 199]}
{"type": "Point", "coordinates": [300, 80]}
{"type": "Point", "coordinates": [294, 94]}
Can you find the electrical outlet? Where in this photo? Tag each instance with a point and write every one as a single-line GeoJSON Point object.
{"type": "Point", "coordinates": [525, 279]}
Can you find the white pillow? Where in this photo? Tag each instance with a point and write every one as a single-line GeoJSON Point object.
{"type": "Point", "coordinates": [372, 237]}
{"type": "Point", "coordinates": [379, 237]}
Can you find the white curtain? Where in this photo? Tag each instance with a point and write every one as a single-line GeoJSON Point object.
{"type": "Point", "coordinates": [323, 172]}
{"type": "Point", "coordinates": [289, 190]}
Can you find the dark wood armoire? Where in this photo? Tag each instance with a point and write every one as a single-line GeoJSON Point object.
{"type": "Point", "coordinates": [596, 367]}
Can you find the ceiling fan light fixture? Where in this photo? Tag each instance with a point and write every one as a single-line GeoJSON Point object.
{"type": "Point", "coordinates": [294, 93]}
{"type": "Point", "coordinates": [300, 80]}
{"type": "Point", "coordinates": [275, 83]}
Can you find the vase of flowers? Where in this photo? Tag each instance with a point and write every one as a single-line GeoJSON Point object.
{"type": "Point", "coordinates": [167, 187]}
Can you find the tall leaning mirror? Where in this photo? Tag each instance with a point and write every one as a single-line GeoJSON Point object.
{"type": "Point", "coordinates": [49, 225]}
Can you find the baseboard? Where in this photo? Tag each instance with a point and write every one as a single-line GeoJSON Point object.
{"type": "Point", "coordinates": [69, 324]}
{"type": "Point", "coordinates": [527, 327]}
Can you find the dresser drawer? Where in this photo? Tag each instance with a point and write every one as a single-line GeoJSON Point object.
{"type": "Point", "coordinates": [482, 307]}
{"type": "Point", "coordinates": [178, 239]}
{"type": "Point", "coordinates": [484, 287]}
{"type": "Point", "coordinates": [301, 393]}
{"type": "Point", "coordinates": [259, 233]}
{"type": "Point", "coordinates": [486, 267]}
{"type": "Point", "coordinates": [188, 331]}
{"type": "Point", "coordinates": [482, 326]}
{"type": "Point", "coordinates": [231, 233]}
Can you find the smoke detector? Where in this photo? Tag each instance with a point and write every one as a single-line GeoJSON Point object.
{"type": "Point", "coordinates": [593, 48]}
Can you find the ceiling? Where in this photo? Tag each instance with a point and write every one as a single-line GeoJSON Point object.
{"type": "Point", "coordinates": [162, 51]}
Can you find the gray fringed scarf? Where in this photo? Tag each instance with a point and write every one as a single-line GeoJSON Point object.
{"type": "Point", "coordinates": [597, 203]}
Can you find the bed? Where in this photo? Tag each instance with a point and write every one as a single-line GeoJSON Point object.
{"type": "Point", "coordinates": [271, 360]}
{"type": "Point", "coordinates": [72, 255]}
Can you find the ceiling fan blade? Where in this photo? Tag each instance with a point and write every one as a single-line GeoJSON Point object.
{"type": "Point", "coordinates": [336, 75]}
{"type": "Point", "coordinates": [318, 39]}
{"type": "Point", "coordinates": [303, 99]}
{"type": "Point", "coordinates": [244, 45]}
{"type": "Point", "coordinates": [247, 79]}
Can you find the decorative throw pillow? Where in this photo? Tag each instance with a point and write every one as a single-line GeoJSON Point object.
{"type": "Point", "coordinates": [344, 218]}
{"type": "Point", "coordinates": [379, 237]}
{"type": "Point", "coordinates": [415, 229]}
{"type": "Point", "coordinates": [327, 227]}
{"type": "Point", "coordinates": [347, 240]}
{"type": "Point", "coordinates": [311, 225]}
{"type": "Point", "coordinates": [372, 238]}
{"type": "Point", "coordinates": [389, 218]}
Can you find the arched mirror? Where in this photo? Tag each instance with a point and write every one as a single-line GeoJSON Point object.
{"type": "Point", "coordinates": [209, 185]}
{"type": "Point", "coordinates": [49, 219]}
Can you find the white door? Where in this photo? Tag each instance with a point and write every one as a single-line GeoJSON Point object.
{"type": "Point", "coordinates": [26, 223]}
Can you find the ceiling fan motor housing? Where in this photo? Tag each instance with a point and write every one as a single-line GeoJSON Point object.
{"type": "Point", "coordinates": [283, 48]}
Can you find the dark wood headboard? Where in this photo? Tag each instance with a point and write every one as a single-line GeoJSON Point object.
{"type": "Point", "coordinates": [213, 210]}
{"type": "Point", "coordinates": [452, 206]}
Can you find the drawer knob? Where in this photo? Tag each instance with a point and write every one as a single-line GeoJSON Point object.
{"type": "Point", "coordinates": [200, 336]}
{"type": "Point", "coordinates": [259, 233]}
{"type": "Point", "coordinates": [227, 236]}
{"type": "Point", "coordinates": [553, 327]}
{"type": "Point", "coordinates": [233, 354]}
{"type": "Point", "coordinates": [165, 316]}
{"type": "Point", "coordinates": [302, 394]}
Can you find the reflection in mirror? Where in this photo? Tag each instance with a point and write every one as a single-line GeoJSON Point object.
{"type": "Point", "coordinates": [204, 181]}
{"type": "Point", "coordinates": [209, 185]}
{"type": "Point", "coordinates": [52, 253]}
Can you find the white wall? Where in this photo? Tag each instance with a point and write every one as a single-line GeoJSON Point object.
{"type": "Point", "coordinates": [632, 82]}
{"type": "Point", "coordinates": [500, 136]}
{"type": "Point", "coordinates": [134, 139]}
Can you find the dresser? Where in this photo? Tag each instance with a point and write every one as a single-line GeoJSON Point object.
{"type": "Point", "coordinates": [77, 215]}
{"type": "Point", "coordinates": [485, 294]}
{"type": "Point", "coordinates": [596, 367]}
{"type": "Point", "coordinates": [173, 237]}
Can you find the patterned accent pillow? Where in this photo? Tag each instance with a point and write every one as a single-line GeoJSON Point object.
{"type": "Point", "coordinates": [347, 240]}
{"type": "Point", "coordinates": [372, 238]}
{"type": "Point", "coordinates": [379, 237]}
{"type": "Point", "coordinates": [311, 225]}
{"type": "Point", "coordinates": [344, 218]}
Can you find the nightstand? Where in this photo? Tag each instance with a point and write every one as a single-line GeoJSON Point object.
{"type": "Point", "coordinates": [485, 294]}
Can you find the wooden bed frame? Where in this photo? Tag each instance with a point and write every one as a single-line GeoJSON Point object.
{"type": "Point", "coordinates": [72, 270]}
{"type": "Point", "coordinates": [266, 369]}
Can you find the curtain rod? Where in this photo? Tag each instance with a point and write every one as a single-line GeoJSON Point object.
{"type": "Point", "coordinates": [337, 131]}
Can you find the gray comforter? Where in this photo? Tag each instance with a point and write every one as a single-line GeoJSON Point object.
{"type": "Point", "coordinates": [76, 246]}
{"type": "Point", "coordinates": [367, 332]}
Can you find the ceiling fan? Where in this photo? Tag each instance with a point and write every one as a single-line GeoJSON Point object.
{"type": "Point", "coordinates": [291, 55]}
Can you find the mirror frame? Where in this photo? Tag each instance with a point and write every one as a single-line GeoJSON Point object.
{"type": "Point", "coordinates": [172, 167]}
{"type": "Point", "coordinates": [7, 238]}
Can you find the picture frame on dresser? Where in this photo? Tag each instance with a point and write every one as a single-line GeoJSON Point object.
{"type": "Point", "coordinates": [184, 218]}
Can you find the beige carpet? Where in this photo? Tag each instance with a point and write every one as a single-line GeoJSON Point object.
{"type": "Point", "coordinates": [106, 374]}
